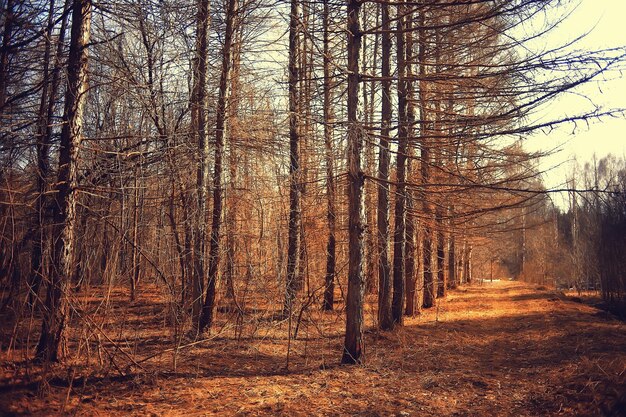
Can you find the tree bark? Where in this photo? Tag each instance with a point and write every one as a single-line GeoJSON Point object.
{"type": "Point", "coordinates": [331, 188]}
{"type": "Point", "coordinates": [304, 111]}
{"type": "Point", "coordinates": [385, 321]}
{"type": "Point", "coordinates": [399, 236]}
{"type": "Point", "coordinates": [410, 273]}
{"type": "Point", "coordinates": [425, 161]}
{"type": "Point", "coordinates": [295, 186]}
{"type": "Point", "coordinates": [206, 318]}
{"type": "Point", "coordinates": [353, 342]}
{"type": "Point", "coordinates": [199, 125]}
{"type": "Point", "coordinates": [64, 213]}
{"type": "Point", "coordinates": [234, 161]}
{"type": "Point", "coordinates": [44, 139]}
{"type": "Point", "coordinates": [370, 208]}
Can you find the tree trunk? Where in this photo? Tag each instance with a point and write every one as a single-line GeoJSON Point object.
{"type": "Point", "coordinates": [304, 114]}
{"type": "Point", "coordinates": [409, 255]}
{"type": "Point", "coordinates": [353, 342]}
{"type": "Point", "coordinates": [234, 160]}
{"type": "Point", "coordinates": [399, 235]}
{"type": "Point", "coordinates": [44, 140]}
{"type": "Point", "coordinates": [199, 127]}
{"type": "Point", "coordinates": [384, 268]}
{"type": "Point", "coordinates": [438, 93]}
{"type": "Point", "coordinates": [331, 188]}
{"type": "Point", "coordinates": [206, 318]}
{"type": "Point", "coordinates": [370, 208]}
{"type": "Point", "coordinates": [425, 161]}
{"type": "Point", "coordinates": [293, 240]}
{"type": "Point", "coordinates": [57, 305]}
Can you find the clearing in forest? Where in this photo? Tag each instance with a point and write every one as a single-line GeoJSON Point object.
{"type": "Point", "coordinates": [496, 349]}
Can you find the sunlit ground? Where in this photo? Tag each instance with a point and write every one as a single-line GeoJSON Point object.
{"type": "Point", "coordinates": [501, 348]}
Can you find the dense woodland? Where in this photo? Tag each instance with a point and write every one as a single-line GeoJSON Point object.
{"type": "Point", "coordinates": [246, 163]}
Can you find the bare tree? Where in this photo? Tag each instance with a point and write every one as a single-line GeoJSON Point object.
{"type": "Point", "coordinates": [57, 303]}
{"type": "Point", "coordinates": [353, 343]}
{"type": "Point", "coordinates": [331, 188]}
{"type": "Point", "coordinates": [384, 159]}
{"type": "Point", "coordinates": [206, 318]}
{"type": "Point", "coordinates": [399, 235]}
{"type": "Point", "coordinates": [199, 126]}
{"type": "Point", "coordinates": [49, 94]}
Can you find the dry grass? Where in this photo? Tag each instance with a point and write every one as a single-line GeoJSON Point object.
{"type": "Point", "coordinates": [501, 349]}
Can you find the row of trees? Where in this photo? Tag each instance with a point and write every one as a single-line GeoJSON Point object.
{"type": "Point", "coordinates": [180, 155]}
{"type": "Point", "coordinates": [592, 231]}
{"type": "Point", "coordinates": [578, 246]}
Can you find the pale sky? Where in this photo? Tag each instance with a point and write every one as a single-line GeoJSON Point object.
{"type": "Point", "coordinates": [605, 19]}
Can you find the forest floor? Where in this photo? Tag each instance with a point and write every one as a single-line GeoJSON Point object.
{"type": "Point", "coordinates": [497, 349]}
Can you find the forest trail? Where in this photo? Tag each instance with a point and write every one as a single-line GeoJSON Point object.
{"type": "Point", "coordinates": [496, 349]}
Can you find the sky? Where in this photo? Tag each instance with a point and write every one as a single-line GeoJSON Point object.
{"type": "Point", "coordinates": [605, 21]}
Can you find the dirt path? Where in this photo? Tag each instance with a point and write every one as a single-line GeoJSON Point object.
{"type": "Point", "coordinates": [500, 349]}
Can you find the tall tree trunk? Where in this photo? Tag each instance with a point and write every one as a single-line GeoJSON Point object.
{"type": "Point", "coordinates": [438, 94]}
{"type": "Point", "coordinates": [43, 167]}
{"type": "Point", "coordinates": [206, 318]}
{"type": "Point", "coordinates": [384, 268]}
{"type": "Point", "coordinates": [409, 256]}
{"type": "Point", "coordinates": [425, 161]}
{"type": "Point", "coordinates": [306, 135]}
{"type": "Point", "coordinates": [295, 186]}
{"type": "Point", "coordinates": [8, 268]}
{"type": "Point", "coordinates": [199, 127]}
{"type": "Point", "coordinates": [370, 208]}
{"type": "Point", "coordinates": [331, 188]}
{"type": "Point", "coordinates": [399, 235]}
{"type": "Point", "coordinates": [44, 140]}
{"type": "Point", "coordinates": [56, 314]}
{"type": "Point", "coordinates": [353, 342]}
{"type": "Point", "coordinates": [234, 162]}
